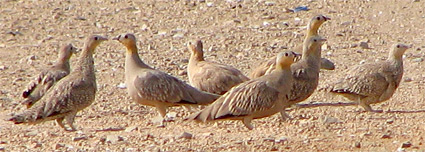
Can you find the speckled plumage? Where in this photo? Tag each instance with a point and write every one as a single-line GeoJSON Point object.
{"type": "Point", "coordinates": [210, 76]}
{"type": "Point", "coordinates": [253, 99]}
{"type": "Point", "coordinates": [312, 30]}
{"type": "Point", "coordinates": [49, 76]}
{"type": "Point", "coordinates": [372, 82]}
{"type": "Point", "coordinates": [151, 87]}
{"type": "Point", "coordinates": [70, 95]}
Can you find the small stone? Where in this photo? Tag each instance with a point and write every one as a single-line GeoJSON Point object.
{"type": "Point", "coordinates": [357, 145]}
{"type": "Point", "coordinates": [32, 133]}
{"type": "Point", "coordinates": [325, 47]}
{"type": "Point", "coordinates": [113, 139]}
{"type": "Point", "coordinates": [281, 139]}
{"type": "Point", "coordinates": [297, 21]}
{"type": "Point", "coordinates": [269, 139]}
{"type": "Point", "coordinates": [182, 72]}
{"type": "Point", "coordinates": [353, 45]}
{"type": "Point", "coordinates": [79, 138]}
{"type": "Point", "coordinates": [364, 45]}
{"type": "Point", "coordinates": [80, 18]}
{"type": "Point", "coordinates": [407, 79]}
{"type": "Point", "coordinates": [57, 146]}
{"type": "Point", "coordinates": [362, 61]}
{"type": "Point", "coordinates": [266, 23]}
{"type": "Point", "coordinates": [339, 34]}
{"type": "Point", "coordinates": [386, 136]}
{"type": "Point", "coordinates": [122, 85]}
{"type": "Point", "coordinates": [391, 121]}
{"type": "Point", "coordinates": [162, 33]}
{"type": "Point", "coordinates": [2, 148]}
{"type": "Point", "coordinates": [171, 116]}
{"type": "Point", "coordinates": [144, 27]}
{"type": "Point", "coordinates": [158, 120]}
{"type": "Point", "coordinates": [186, 135]}
{"type": "Point", "coordinates": [210, 4]}
{"type": "Point", "coordinates": [406, 144]}
{"type": "Point", "coordinates": [269, 3]}
{"type": "Point", "coordinates": [329, 120]}
{"type": "Point", "coordinates": [3, 67]}
{"type": "Point", "coordinates": [418, 60]}
{"type": "Point", "coordinates": [416, 0]}
{"type": "Point", "coordinates": [37, 145]}
{"type": "Point", "coordinates": [178, 35]}
{"type": "Point", "coordinates": [131, 128]}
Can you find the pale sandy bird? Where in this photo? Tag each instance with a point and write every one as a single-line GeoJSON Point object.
{"type": "Point", "coordinates": [49, 76]}
{"type": "Point", "coordinates": [305, 72]}
{"type": "Point", "coordinates": [312, 30]}
{"type": "Point", "coordinates": [257, 98]}
{"type": "Point", "coordinates": [151, 87]}
{"type": "Point", "coordinates": [70, 95]}
{"type": "Point", "coordinates": [210, 76]}
{"type": "Point", "coordinates": [372, 83]}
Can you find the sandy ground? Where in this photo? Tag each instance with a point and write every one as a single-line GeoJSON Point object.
{"type": "Point", "coordinates": [238, 33]}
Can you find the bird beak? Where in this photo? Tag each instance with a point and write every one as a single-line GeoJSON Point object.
{"type": "Point", "coordinates": [117, 38]}
{"type": "Point", "coordinates": [327, 18]}
{"type": "Point", "coordinates": [323, 39]}
{"type": "Point", "coordinates": [103, 38]}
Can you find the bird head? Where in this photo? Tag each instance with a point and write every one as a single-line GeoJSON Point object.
{"type": "Point", "coordinates": [399, 49]}
{"type": "Point", "coordinates": [93, 41]}
{"type": "Point", "coordinates": [285, 59]}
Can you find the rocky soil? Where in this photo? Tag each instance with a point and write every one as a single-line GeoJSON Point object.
{"type": "Point", "coordinates": [240, 33]}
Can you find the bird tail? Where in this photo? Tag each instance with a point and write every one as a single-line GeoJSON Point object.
{"type": "Point", "coordinates": [24, 117]}
{"type": "Point", "coordinates": [209, 113]}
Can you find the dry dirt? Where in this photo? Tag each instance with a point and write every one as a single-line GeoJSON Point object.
{"type": "Point", "coordinates": [238, 33]}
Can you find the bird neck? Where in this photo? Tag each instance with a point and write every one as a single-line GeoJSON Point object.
{"type": "Point", "coordinates": [313, 29]}
{"type": "Point", "coordinates": [197, 56]}
{"type": "Point", "coordinates": [133, 60]}
{"type": "Point", "coordinates": [282, 67]}
{"type": "Point", "coordinates": [86, 62]}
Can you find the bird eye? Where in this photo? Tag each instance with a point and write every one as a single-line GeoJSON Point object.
{"type": "Point", "coordinates": [96, 38]}
{"type": "Point", "coordinates": [315, 40]}
{"type": "Point", "coordinates": [398, 46]}
{"type": "Point", "coordinates": [126, 36]}
{"type": "Point", "coordinates": [286, 54]}
{"type": "Point", "coordinates": [318, 18]}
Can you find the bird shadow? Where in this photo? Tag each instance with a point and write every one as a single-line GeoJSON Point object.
{"type": "Point", "coordinates": [340, 104]}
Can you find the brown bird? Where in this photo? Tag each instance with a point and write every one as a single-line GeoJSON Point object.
{"type": "Point", "coordinates": [257, 98]}
{"type": "Point", "coordinates": [151, 87]}
{"type": "Point", "coordinates": [48, 77]}
{"type": "Point", "coordinates": [209, 76]}
{"type": "Point", "coordinates": [305, 72]}
{"type": "Point", "coordinates": [312, 30]}
{"type": "Point", "coordinates": [373, 82]}
{"type": "Point", "coordinates": [70, 95]}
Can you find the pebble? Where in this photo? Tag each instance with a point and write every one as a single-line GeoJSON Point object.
{"type": "Point", "coordinates": [297, 21]}
{"type": "Point", "coordinates": [79, 138]}
{"type": "Point", "coordinates": [406, 144]}
{"type": "Point", "coordinates": [386, 136]}
{"type": "Point", "coordinates": [2, 148]}
{"type": "Point", "coordinates": [113, 139]}
{"type": "Point", "coordinates": [182, 72]}
{"type": "Point", "coordinates": [391, 121]}
{"type": "Point", "coordinates": [357, 145]}
{"type": "Point", "coordinates": [329, 120]}
{"type": "Point", "coordinates": [210, 4]}
{"type": "Point", "coordinates": [407, 79]}
{"type": "Point", "coordinates": [186, 135]}
{"type": "Point", "coordinates": [171, 116]}
{"type": "Point", "coordinates": [418, 60]}
{"type": "Point", "coordinates": [122, 85]}
{"type": "Point", "coordinates": [3, 67]}
{"type": "Point", "coordinates": [131, 128]}
{"type": "Point", "coordinates": [269, 3]}
{"type": "Point", "coordinates": [364, 45]}
{"type": "Point", "coordinates": [178, 35]}
{"type": "Point", "coordinates": [57, 146]}
{"type": "Point", "coordinates": [281, 139]}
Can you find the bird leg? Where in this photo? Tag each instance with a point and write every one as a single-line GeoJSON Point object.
{"type": "Point", "coordinates": [247, 122]}
{"type": "Point", "coordinates": [284, 115]}
{"type": "Point", "coordinates": [162, 110]}
{"type": "Point", "coordinates": [70, 120]}
{"type": "Point", "coordinates": [367, 107]}
{"type": "Point", "coordinates": [60, 122]}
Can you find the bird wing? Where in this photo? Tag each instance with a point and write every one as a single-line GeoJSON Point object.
{"type": "Point", "coordinates": [247, 98]}
{"type": "Point", "coordinates": [216, 78]}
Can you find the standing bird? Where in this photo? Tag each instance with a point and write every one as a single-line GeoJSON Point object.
{"type": "Point", "coordinates": [209, 76]}
{"type": "Point", "coordinates": [373, 82]}
{"type": "Point", "coordinates": [70, 95]}
{"type": "Point", "coordinates": [152, 87]}
{"type": "Point", "coordinates": [305, 72]}
{"type": "Point", "coordinates": [48, 77]}
{"type": "Point", "coordinates": [312, 30]}
{"type": "Point", "coordinates": [257, 98]}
